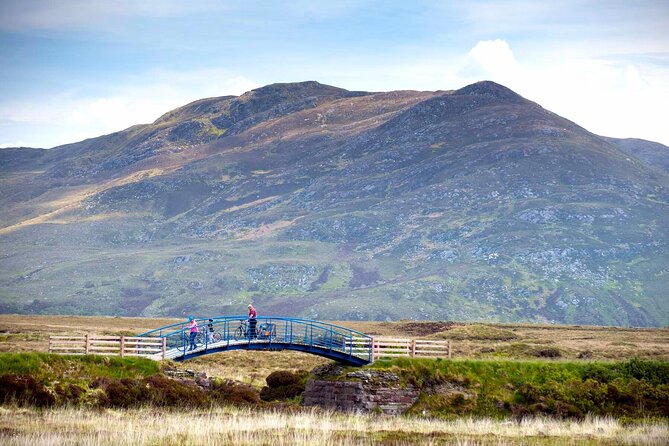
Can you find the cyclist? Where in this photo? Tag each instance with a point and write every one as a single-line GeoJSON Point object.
{"type": "Point", "coordinates": [253, 314]}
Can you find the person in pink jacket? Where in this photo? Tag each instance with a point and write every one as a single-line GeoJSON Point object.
{"type": "Point", "coordinates": [192, 324]}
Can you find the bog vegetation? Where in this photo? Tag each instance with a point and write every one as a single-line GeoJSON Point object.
{"type": "Point", "coordinates": [492, 393]}
{"type": "Point", "coordinates": [490, 388]}
{"type": "Point", "coordinates": [247, 426]}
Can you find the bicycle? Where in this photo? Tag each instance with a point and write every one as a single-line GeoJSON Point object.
{"type": "Point", "coordinates": [215, 336]}
{"type": "Point", "coordinates": [242, 331]}
{"type": "Point", "coordinates": [184, 341]}
{"type": "Point", "coordinates": [266, 330]}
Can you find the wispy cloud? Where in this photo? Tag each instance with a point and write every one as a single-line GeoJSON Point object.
{"type": "Point", "coordinates": [68, 14]}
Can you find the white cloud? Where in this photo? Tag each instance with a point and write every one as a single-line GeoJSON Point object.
{"type": "Point", "coordinates": [608, 97]}
{"type": "Point", "coordinates": [491, 59]}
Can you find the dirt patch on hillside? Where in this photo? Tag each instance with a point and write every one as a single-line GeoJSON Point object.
{"type": "Point", "coordinates": [415, 328]}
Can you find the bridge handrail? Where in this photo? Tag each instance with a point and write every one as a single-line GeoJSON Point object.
{"type": "Point", "coordinates": [202, 321]}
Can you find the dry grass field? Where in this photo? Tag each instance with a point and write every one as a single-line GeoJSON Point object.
{"type": "Point", "coordinates": [225, 426]}
{"type": "Point", "coordinates": [23, 333]}
{"type": "Point", "coordinates": [233, 425]}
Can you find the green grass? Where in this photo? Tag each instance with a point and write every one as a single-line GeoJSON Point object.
{"type": "Point", "coordinates": [499, 388]}
{"type": "Point", "coordinates": [45, 367]}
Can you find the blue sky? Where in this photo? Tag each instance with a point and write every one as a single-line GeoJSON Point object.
{"type": "Point", "coordinates": [73, 69]}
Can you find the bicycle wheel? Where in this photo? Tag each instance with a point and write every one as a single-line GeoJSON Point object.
{"type": "Point", "coordinates": [239, 333]}
{"type": "Point", "coordinates": [216, 337]}
{"type": "Point", "coordinates": [199, 339]}
{"type": "Point", "coordinates": [182, 342]}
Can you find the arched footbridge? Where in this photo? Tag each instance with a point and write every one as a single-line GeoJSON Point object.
{"type": "Point", "coordinates": [271, 333]}
{"type": "Point", "coordinates": [224, 333]}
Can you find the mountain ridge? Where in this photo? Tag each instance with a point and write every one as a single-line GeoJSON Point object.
{"type": "Point", "coordinates": [315, 201]}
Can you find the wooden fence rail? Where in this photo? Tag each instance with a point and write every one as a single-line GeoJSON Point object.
{"type": "Point", "coordinates": [413, 348]}
{"type": "Point", "coordinates": [108, 345]}
{"type": "Point", "coordinates": [156, 347]}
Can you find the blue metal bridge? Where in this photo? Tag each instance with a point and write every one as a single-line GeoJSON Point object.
{"type": "Point", "coordinates": [225, 333]}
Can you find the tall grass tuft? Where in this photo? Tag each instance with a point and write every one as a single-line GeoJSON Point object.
{"type": "Point", "coordinates": [207, 426]}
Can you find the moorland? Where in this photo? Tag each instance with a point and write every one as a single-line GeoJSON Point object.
{"type": "Point", "coordinates": [507, 384]}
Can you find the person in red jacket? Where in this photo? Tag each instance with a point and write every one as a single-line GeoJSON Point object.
{"type": "Point", "coordinates": [253, 314]}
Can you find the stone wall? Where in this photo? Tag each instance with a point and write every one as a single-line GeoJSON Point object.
{"type": "Point", "coordinates": [361, 391]}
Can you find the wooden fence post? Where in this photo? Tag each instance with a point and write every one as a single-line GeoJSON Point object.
{"type": "Point", "coordinates": [449, 349]}
{"type": "Point", "coordinates": [373, 342]}
{"type": "Point", "coordinates": [88, 344]}
{"type": "Point", "coordinates": [50, 351]}
{"type": "Point", "coordinates": [164, 347]}
{"type": "Point", "coordinates": [122, 346]}
{"type": "Point", "coordinates": [413, 348]}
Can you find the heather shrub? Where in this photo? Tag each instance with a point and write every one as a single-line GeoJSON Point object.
{"type": "Point", "coordinates": [164, 391]}
{"type": "Point", "coordinates": [24, 390]}
{"type": "Point", "coordinates": [284, 385]}
{"type": "Point", "coordinates": [233, 392]}
{"type": "Point", "coordinates": [69, 393]}
{"type": "Point", "coordinates": [156, 390]}
{"type": "Point", "coordinates": [125, 392]}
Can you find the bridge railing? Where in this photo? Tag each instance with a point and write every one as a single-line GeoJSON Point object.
{"type": "Point", "coordinates": [224, 330]}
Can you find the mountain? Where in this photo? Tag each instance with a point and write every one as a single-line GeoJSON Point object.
{"type": "Point", "coordinates": [652, 153]}
{"type": "Point", "coordinates": [314, 201]}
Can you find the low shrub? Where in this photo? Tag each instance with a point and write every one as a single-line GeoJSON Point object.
{"type": "Point", "coordinates": [654, 372]}
{"type": "Point", "coordinates": [546, 352]}
{"type": "Point", "coordinates": [125, 393]}
{"type": "Point", "coordinates": [156, 390]}
{"type": "Point", "coordinates": [69, 393]}
{"type": "Point", "coordinates": [233, 392]}
{"type": "Point", "coordinates": [24, 390]}
{"type": "Point", "coordinates": [284, 385]}
{"type": "Point", "coordinates": [166, 392]}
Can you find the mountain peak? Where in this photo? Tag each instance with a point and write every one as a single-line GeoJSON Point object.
{"type": "Point", "coordinates": [294, 89]}
{"type": "Point", "coordinates": [490, 89]}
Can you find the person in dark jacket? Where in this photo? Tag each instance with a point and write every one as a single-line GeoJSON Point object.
{"type": "Point", "coordinates": [253, 314]}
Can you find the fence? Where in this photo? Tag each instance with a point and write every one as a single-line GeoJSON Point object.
{"type": "Point", "coordinates": [160, 348]}
{"type": "Point", "coordinates": [108, 345]}
{"type": "Point", "coordinates": [413, 348]}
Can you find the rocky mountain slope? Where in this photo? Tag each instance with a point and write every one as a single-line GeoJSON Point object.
{"type": "Point", "coordinates": [315, 201]}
